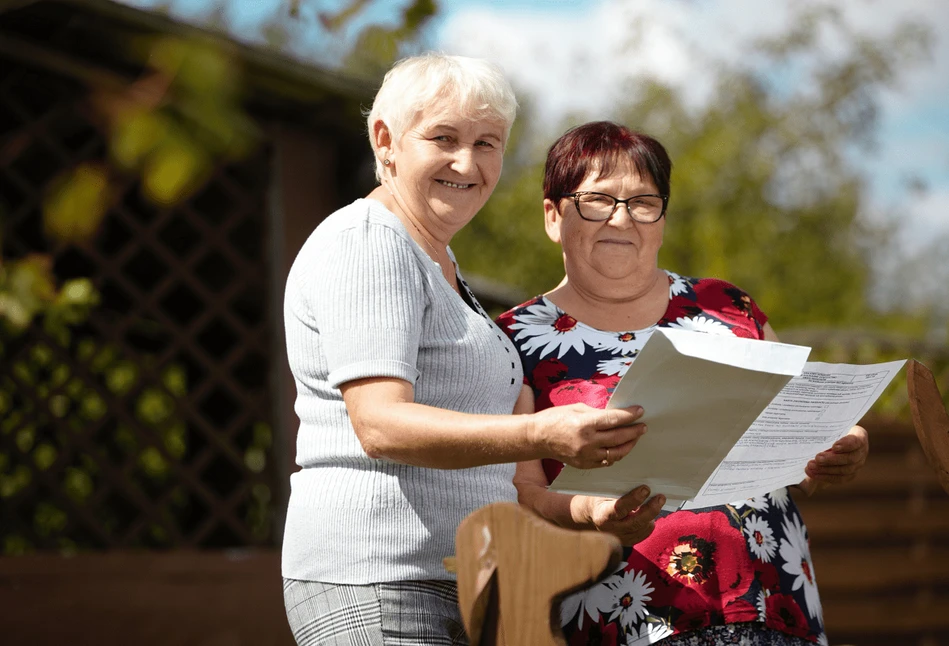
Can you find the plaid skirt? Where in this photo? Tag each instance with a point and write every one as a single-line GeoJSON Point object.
{"type": "Point", "coordinates": [400, 613]}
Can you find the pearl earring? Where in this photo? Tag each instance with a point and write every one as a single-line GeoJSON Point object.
{"type": "Point", "coordinates": [385, 162]}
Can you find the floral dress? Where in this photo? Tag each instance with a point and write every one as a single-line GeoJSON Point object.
{"type": "Point", "coordinates": [702, 568]}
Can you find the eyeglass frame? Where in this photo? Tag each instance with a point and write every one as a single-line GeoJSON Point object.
{"type": "Point", "coordinates": [616, 202]}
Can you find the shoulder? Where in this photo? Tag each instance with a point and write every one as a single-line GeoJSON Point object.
{"type": "Point", "coordinates": [360, 218]}
{"type": "Point", "coordinates": [718, 298]}
{"type": "Point", "coordinates": [362, 229]}
{"type": "Point", "coordinates": [513, 319]}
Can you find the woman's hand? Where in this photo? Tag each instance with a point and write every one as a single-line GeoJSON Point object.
{"type": "Point", "coordinates": [630, 518]}
{"type": "Point", "coordinates": [587, 437]}
{"type": "Point", "coordinates": [838, 464]}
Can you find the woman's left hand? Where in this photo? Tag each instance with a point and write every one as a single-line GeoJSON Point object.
{"type": "Point", "coordinates": [838, 464]}
{"type": "Point", "coordinates": [630, 518]}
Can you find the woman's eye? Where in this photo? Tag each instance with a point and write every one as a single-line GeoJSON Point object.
{"type": "Point", "coordinates": [597, 200]}
{"type": "Point", "coordinates": [484, 144]}
{"type": "Point", "coordinates": [443, 138]}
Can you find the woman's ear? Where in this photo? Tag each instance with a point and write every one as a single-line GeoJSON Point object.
{"type": "Point", "coordinates": [382, 139]}
{"type": "Point", "coordinates": [552, 220]}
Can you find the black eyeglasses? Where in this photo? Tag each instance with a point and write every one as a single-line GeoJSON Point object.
{"type": "Point", "coordinates": [597, 207]}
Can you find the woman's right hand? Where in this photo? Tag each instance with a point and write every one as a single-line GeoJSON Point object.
{"type": "Point", "coordinates": [630, 518]}
{"type": "Point", "coordinates": [587, 437]}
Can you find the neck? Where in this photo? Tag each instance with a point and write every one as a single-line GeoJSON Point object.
{"type": "Point", "coordinates": [435, 248]}
{"type": "Point", "coordinates": [632, 304]}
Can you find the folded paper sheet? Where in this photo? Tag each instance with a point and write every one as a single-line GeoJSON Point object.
{"type": "Point", "coordinates": [702, 395]}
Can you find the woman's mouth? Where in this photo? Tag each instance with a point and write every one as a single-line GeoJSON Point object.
{"type": "Point", "coordinates": [444, 182]}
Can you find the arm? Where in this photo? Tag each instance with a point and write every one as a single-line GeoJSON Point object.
{"type": "Point", "coordinates": [627, 518]}
{"type": "Point", "coordinates": [838, 464]}
{"type": "Point", "coordinates": [390, 425]}
{"type": "Point", "coordinates": [365, 294]}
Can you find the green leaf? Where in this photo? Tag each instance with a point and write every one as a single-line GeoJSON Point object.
{"type": "Point", "coordinates": [76, 203]}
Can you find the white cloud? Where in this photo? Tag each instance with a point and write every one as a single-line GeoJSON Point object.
{"type": "Point", "coordinates": [575, 61]}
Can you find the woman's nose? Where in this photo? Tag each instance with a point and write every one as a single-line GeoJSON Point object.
{"type": "Point", "coordinates": [621, 218]}
{"type": "Point", "coordinates": [463, 159]}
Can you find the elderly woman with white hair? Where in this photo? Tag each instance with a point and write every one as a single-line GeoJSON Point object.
{"type": "Point", "coordinates": [405, 387]}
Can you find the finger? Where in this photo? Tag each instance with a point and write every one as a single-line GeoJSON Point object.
{"type": "Point", "coordinates": [651, 508]}
{"type": "Point", "coordinates": [813, 468]}
{"type": "Point", "coordinates": [855, 440]}
{"type": "Point", "coordinates": [641, 523]}
{"type": "Point", "coordinates": [839, 459]}
{"type": "Point", "coordinates": [626, 504]}
{"type": "Point", "coordinates": [831, 477]}
{"type": "Point", "coordinates": [846, 444]}
{"type": "Point", "coordinates": [618, 417]}
{"type": "Point", "coordinates": [621, 440]}
{"type": "Point", "coordinates": [827, 479]}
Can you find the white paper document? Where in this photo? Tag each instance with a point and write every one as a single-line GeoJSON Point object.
{"type": "Point", "coordinates": [729, 418]}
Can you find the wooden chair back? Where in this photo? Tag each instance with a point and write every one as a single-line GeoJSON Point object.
{"type": "Point", "coordinates": [514, 568]}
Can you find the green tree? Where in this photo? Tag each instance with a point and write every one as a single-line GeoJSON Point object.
{"type": "Point", "coordinates": [764, 192]}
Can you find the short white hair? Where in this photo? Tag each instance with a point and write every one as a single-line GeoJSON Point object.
{"type": "Point", "coordinates": [476, 86]}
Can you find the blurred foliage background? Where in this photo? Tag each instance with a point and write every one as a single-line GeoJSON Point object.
{"type": "Point", "coordinates": [763, 192]}
{"type": "Point", "coordinates": [763, 195]}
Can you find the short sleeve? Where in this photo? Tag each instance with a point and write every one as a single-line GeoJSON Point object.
{"type": "Point", "coordinates": [367, 300]}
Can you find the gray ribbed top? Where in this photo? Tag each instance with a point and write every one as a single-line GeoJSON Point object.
{"type": "Point", "coordinates": [364, 300]}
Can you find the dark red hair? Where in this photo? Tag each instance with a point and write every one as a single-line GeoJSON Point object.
{"type": "Point", "coordinates": [598, 147]}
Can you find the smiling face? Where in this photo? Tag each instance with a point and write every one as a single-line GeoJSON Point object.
{"type": "Point", "coordinates": [597, 254]}
{"type": "Point", "coordinates": [444, 167]}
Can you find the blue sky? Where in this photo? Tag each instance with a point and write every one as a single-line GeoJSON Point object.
{"type": "Point", "coordinates": [549, 49]}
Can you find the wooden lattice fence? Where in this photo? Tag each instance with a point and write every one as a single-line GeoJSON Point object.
{"type": "Point", "coordinates": [150, 424]}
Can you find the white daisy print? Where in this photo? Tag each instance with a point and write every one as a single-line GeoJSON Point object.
{"type": "Point", "coordinates": [780, 498]}
{"type": "Point", "coordinates": [822, 640]}
{"type": "Point", "coordinates": [650, 631]}
{"type": "Point", "coordinates": [760, 538]}
{"type": "Point", "coordinates": [679, 284]}
{"type": "Point", "coordinates": [758, 504]}
{"type": "Point", "coordinates": [624, 343]}
{"type": "Point", "coordinates": [548, 329]}
{"type": "Point", "coordinates": [701, 323]}
{"type": "Point", "coordinates": [593, 601]}
{"type": "Point", "coordinates": [761, 603]}
{"type": "Point", "coordinates": [797, 556]}
{"type": "Point", "coordinates": [614, 366]}
{"type": "Point", "coordinates": [630, 594]}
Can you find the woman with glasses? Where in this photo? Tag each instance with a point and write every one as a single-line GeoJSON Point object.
{"type": "Point", "coordinates": [734, 574]}
{"type": "Point", "coordinates": [405, 387]}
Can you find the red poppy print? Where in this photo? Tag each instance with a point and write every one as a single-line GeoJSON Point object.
{"type": "Point", "coordinates": [767, 574]}
{"type": "Point", "coordinates": [703, 553]}
{"type": "Point", "coordinates": [579, 391]}
{"type": "Point", "coordinates": [740, 610]}
{"type": "Point", "coordinates": [565, 323]}
{"type": "Point", "coordinates": [783, 613]}
{"type": "Point", "coordinates": [548, 373]}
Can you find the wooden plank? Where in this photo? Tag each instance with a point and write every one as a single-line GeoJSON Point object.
{"type": "Point", "coordinates": [194, 598]}
{"type": "Point", "coordinates": [888, 473]}
{"type": "Point", "coordinates": [867, 520]}
{"type": "Point", "coordinates": [887, 615]}
{"type": "Point", "coordinates": [861, 571]}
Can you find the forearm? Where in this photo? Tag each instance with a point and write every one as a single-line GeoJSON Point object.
{"type": "Point", "coordinates": [566, 510]}
{"type": "Point", "coordinates": [390, 425]}
{"type": "Point", "coordinates": [431, 437]}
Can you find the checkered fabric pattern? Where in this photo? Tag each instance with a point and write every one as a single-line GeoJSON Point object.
{"type": "Point", "coordinates": [400, 613]}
